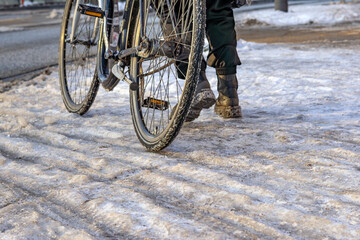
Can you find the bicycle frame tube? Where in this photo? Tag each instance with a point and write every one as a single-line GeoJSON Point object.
{"type": "Point", "coordinates": [103, 47]}
{"type": "Point", "coordinates": [76, 19]}
{"type": "Point", "coordinates": [103, 4]}
{"type": "Point", "coordinates": [132, 9]}
{"type": "Point", "coordinates": [142, 21]}
{"type": "Point", "coordinates": [125, 24]}
{"type": "Point", "coordinates": [96, 29]}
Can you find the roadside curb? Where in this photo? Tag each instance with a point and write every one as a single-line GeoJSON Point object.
{"type": "Point", "coordinates": [33, 7]}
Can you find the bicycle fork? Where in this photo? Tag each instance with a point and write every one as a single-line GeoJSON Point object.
{"type": "Point", "coordinates": [90, 10]}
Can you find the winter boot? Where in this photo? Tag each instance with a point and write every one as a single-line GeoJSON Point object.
{"type": "Point", "coordinates": [203, 98]}
{"type": "Point", "coordinates": [227, 104]}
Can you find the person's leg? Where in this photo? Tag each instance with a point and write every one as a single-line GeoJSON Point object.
{"type": "Point", "coordinates": [224, 58]}
{"type": "Point", "coordinates": [227, 103]}
{"type": "Point", "coordinates": [220, 31]}
{"type": "Point", "coordinates": [223, 55]}
{"type": "Point", "coordinates": [203, 97]}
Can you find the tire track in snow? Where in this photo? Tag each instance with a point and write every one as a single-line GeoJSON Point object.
{"type": "Point", "coordinates": [288, 169]}
{"type": "Point", "coordinates": [50, 207]}
{"type": "Point", "coordinates": [203, 204]}
{"type": "Point", "coordinates": [89, 172]}
{"type": "Point", "coordinates": [61, 196]}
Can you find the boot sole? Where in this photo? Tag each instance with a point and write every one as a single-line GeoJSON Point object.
{"type": "Point", "coordinates": [204, 99]}
{"type": "Point", "coordinates": [228, 111]}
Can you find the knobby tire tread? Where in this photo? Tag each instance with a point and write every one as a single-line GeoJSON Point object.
{"type": "Point", "coordinates": [188, 91]}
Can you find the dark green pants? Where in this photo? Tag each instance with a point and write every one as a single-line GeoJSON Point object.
{"type": "Point", "coordinates": [220, 32]}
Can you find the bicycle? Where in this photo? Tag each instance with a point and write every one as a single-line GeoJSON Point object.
{"type": "Point", "coordinates": [156, 48]}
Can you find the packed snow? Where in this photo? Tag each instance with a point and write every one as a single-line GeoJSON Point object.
{"type": "Point", "coordinates": [289, 169]}
{"type": "Point", "coordinates": [321, 13]}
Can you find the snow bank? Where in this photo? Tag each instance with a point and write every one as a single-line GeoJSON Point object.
{"type": "Point", "coordinates": [30, 3]}
{"type": "Point", "coordinates": [303, 14]}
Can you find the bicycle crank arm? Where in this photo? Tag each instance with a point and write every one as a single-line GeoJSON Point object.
{"type": "Point", "coordinates": [171, 49]}
{"type": "Point", "coordinates": [123, 53]}
{"type": "Point", "coordinates": [118, 72]}
{"type": "Point", "coordinates": [153, 48]}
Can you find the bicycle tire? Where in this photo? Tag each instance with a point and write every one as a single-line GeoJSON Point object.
{"type": "Point", "coordinates": [150, 136]}
{"type": "Point", "coordinates": [78, 78]}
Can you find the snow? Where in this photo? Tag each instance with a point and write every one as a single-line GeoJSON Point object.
{"type": "Point", "coordinates": [303, 14]}
{"type": "Point", "coordinates": [29, 3]}
{"type": "Point", "coordinates": [55, 13]}
{"type": "Point", "coordinates": [121, 6]}
{"type": "Point", "coordinates": [9, 29]}
{"type": "Point", "coordinates": [288, 169]}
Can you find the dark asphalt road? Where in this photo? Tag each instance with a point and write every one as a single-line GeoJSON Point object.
{"type": "Point", "coordinates": [28, 50]}
{"type": "Point", "coordinates": [33, 46]}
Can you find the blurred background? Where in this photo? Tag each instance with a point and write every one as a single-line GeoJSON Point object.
{"type": "Point", "coordinates": [17, 3]}
{"type": "Point", "coordinates": [29, 31]}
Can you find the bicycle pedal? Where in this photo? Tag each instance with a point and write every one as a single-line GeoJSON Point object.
{"type": "Point", "coordinates": [91, 10]}
{"type": "Point", "coordinates": [155, 104]}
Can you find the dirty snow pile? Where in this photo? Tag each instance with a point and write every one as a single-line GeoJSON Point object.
{"type": "Point", "coordinates": [321, 14]}
{"type": "Point", "coordinates": [288, 169]}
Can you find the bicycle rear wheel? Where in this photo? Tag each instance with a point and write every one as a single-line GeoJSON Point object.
{"type": "Point", "coordinates": [77, 59]}
{"type": "Point", "coordinates": [166, 81]}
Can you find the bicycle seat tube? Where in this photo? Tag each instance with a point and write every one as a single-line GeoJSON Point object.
{"type": "Point", "coordinates": [103, 4]}
{"type": "Point", "coordinates": [76, 19]}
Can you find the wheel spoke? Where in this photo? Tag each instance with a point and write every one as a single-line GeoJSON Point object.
{"type": "Point", "coordinates": [160, 76]}
{"type": "Point", "coordinates": [79, 57]}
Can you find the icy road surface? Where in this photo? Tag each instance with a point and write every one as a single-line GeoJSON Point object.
{"type": "Point", "coordinates": [288, 169]}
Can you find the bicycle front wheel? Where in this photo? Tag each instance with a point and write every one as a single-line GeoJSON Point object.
{"type": "Point", "coordinates": [167, 77]}
{"type": "Point", "coordinates": [77, 58]}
